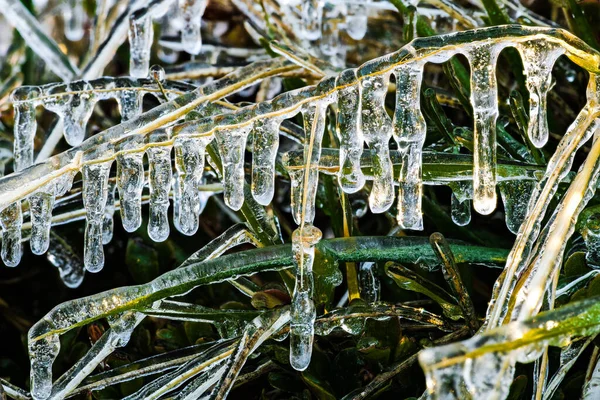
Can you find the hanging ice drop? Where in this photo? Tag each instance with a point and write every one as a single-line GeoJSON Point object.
{"type": "Point", "coordinates": [95, 194]}
{"type": "Point", "coordinates": [40, 211]}
{"type": "Point", "coordinates": [140, 43]}
{"type": "Point", "coordinates": [191, 12]}
{"type": "Point", "coordinates": [130, 181]}
{"type": "Point", "coordinates": [189, 163]}
{"type": "Point", "coordinates": [11, 220]}
{"type": "Point", "coordinates": [377, 130]}
{"type": "Point", "coordinates": [265, 142]}
{"type": "Point", "coordinates": [303, 313]}
{"type": "Point", "coordinates": [77, 111]}
{"type": "Point", "coordinates": [538, 57]}
{"type": "Point", "coordinates": [74, 15]}
{"type": "Point", "coordinates": [159, 159]}
{"type": "Point", "coordinates": [25, 125]}
{"type": "Point", "coordinates": [356, 21]}
{"type": "Point", "coordinates": [409, 133]}
{"type": "Point", "coordinates": [349, 132]}
{"type": "Point", "coordinates": [232, 146]}
{"type": "Point", "coordinates": [484, 98]}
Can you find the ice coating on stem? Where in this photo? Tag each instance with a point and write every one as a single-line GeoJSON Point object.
{"type": "Point", "coordinates": [25, 126]}
{"type": "Point", "coordinates": [77, 111]}
{"type": "Point", "coordinates": [11, 220]}
{"type": "Point", "coordinates": [538, 59]}
{"type": "Point", "coordinates": [265, 143]}
{"type": "Point", "coordinates": [160, 175]}
{"type": "Point", "coordinates": [377, 130]}
{"type": "Point", "coordinates": [189, 163]}
{"type": "Point", "coordinates": [409, 133]}
{"type": "Point", "coordinates": [40, 211]}
{"type": "Point", "coordinates": [356, 21]}
{"type": "Point", "coordinates": [559, 165]}
{"type": "Point", "coordinates": [140, 43]}
{"type": "Point", "coordinates": [95, 194]}
{"type": "Point", "coordinates": [191, 13]}
{"type": "Point", "coordinates": [349, 132]}
{"type": "Point", "coordinates": [484, 99]}
{"type": "Point", "coordinates": [130, 182]}
{"type": "Point", "coordinates": [232, 146]}
{"type": "Point", "coordinates": [303, 313]}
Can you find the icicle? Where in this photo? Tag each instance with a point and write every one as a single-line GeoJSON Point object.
{"type": "Point", "coordinates": [70, 267]}
{"type": "Point", "coordinates": [159, 159]}
{"type": "Point", "coordinates": [130, 181]}
{"type": "Point", "coordinates": [11, 220]}
{"type": "Point", "coordinates": [591, 235]}
{"type": "Point", "coordinates": [330, 34]}
{"type": "Point", "coordinates": [265, 143]}
{"type": "Point", "coordinates": [312, 19]}
{"type": "Point", "coordinates": [130, 104]}
{"type": "Point", "coordinates": [189, 162]}
{"type": "Point", "coordinates": [460, 211]}
{"type": "Point", "coordinates": [191, 11]}
{"type": "Point", "coordinates": [232, 147]}
{"type": "Point", "coordinates": [304, 188]}
{"type": "Point", "coordinates": [25, 125]}
{"type": "Point", "coordinates": [40, 211]}
{"type": "Point", "coordinates": [349, 132]}
{"type": "Point", "coordinates": [369, 283]}
{"type": "Point", "coordinates": [409, 133]}
{"type": "Point", "coordinates": [303, 307]}
{"type": "Point", "coordinates": [484, 98]}
{"type": "Point", "coordinates": [95, 194]}
{"type": "Point", "coordinates": [538, 57]}
{"type": "Point", "coordinates": [42, 353]}
{"type": "Point", "coordinates": [356, 21]}
{"type": "Point", "coordinates": [108, 223]}
{"type": "Point", "coordinates": [78, 111]}
{"type": "Point", "coordinates": [377, 130]}
{"type": "Point", "coordinates": [515, 196]}
{"type": "Point", "coordinates": [460, 202]}
{"type": "Point", "coordinates": [140, 43]}
{"type": "Point", "coordinates": [74, 15]}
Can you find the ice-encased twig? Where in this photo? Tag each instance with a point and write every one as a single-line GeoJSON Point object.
{"type": "Point", "coordinates": [114, 337]}
{"type": "Point", "coordinates": [289, 103]}
{"type": "Point", "coordinates": [586, 123]}
{"type": "Point", "coordinates": [43, 336]}
{"type": "Point", "coordinates": [33, 33]}
{"type": "Point", "coordinates": [482, 367]}
{"type": "Point", "coordinates": [255, 333]}
{"type": "Point", "coordinates": [14, 186]}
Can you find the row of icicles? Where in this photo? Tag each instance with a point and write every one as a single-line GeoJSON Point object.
{"type": "Point", "coordinates": [361, 118]}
